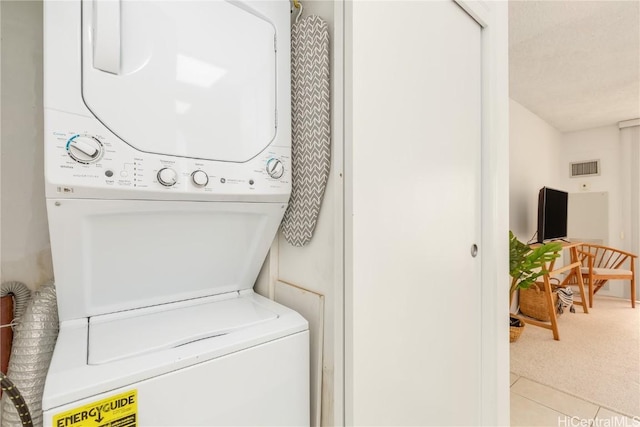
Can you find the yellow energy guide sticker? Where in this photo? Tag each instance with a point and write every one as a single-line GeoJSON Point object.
{"type": "Point", "coordinates": [115, 411]}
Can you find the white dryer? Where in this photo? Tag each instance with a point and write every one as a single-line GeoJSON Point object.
{"type": "Point", "coordinates": [168, 171]}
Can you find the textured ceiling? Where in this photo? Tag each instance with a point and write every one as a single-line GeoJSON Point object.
{"type": "Point", "coordinates": [576, 64]}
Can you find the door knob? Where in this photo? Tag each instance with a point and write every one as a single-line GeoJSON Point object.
{"type": "Point", "coordinates": [474, 250]}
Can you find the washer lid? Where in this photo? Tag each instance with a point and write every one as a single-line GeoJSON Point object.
{"type": "Point", "coordinates": [135, 332]}
{"type": "Point", "coordinates": [183, 78]}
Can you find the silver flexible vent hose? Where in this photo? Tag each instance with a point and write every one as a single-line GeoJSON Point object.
{"type": "Point", "coordinates": [21, 295]}
{"type": "Point", "coordinates": [33, 342]}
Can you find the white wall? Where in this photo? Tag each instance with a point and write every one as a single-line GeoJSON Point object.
{"type": "Point", "coordinates": [534, 162]}
{"type": "Point", "coordinates": [602, 144]}
{"type": "Point", "coordinates": [630, 190]}
{"type": "Point", "coordinates": [26, 254]}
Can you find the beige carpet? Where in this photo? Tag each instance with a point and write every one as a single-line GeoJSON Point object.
{"type": "Point", "coordinates": [596, 359]}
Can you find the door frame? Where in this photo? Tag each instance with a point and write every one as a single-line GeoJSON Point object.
{"type": "Point", "coordinates": [493, 18]}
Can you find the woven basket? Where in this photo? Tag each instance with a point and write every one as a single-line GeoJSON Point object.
{"type": "Point", "coordinates": [516, 331]}
{"type": "Point", "coordinates": [533, 302]}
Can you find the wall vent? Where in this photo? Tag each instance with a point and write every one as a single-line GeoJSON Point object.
{"type": "Point", "coordinates": [590, 168]}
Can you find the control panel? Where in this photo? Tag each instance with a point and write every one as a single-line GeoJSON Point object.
{"type": "Point", "coordinates": [89, 158]}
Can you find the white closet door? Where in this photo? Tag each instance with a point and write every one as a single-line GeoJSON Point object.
{"type": "Point", "coordinates": [415, 308]}
{"type": "Point", "coordinates": [182, 78]}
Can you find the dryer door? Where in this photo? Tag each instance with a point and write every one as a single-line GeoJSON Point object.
{"type": "Point", "coordinates": [183, 78]}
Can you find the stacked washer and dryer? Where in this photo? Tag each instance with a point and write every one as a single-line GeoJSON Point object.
{"type": "Point", "coordinates": [168, 171]}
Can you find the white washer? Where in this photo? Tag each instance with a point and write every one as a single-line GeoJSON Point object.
{"type": "Point", "coordinates": [168, 170]}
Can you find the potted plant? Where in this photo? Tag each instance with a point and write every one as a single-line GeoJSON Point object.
{"type": "Point", "coordinates": [526, 264]}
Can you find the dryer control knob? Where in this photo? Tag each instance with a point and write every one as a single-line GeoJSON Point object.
{"type": "Point", "coordinates": [167, 177]}
{"type": "Point", "coordinates": [200, 178]}
{"type": "Point", "coordinates": [275, 168]}
{"type": "Point", "coordinates": [84, 149]}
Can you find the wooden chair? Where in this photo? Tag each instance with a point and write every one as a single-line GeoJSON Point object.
{"type": "Point", "coordinates": [601, 264]}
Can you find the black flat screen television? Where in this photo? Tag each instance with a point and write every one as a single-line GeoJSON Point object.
{"type": "Point", "coordinates": [552, 214]}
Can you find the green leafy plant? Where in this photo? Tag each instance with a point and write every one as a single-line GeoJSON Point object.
{"type": "Point", "coordinates": [526, 264]}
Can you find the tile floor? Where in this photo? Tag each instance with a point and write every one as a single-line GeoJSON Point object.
{"type": "Point", "coordinates": [534, 404]}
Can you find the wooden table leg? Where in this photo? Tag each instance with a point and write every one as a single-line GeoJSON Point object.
{"type": "Point", "coordinates": [552, 308]}
{"type": "Point", "coordinates": [578, 273]}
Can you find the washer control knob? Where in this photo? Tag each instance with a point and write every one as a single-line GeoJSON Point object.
{"type": "Point", "coordinates": [275, 168]}
{"type": "Point", "coordinates": [167, 177]}
{"type": "Point", "coordinates": [84, 149]}
{"type": "Point", "coordinates": [200, 178]}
